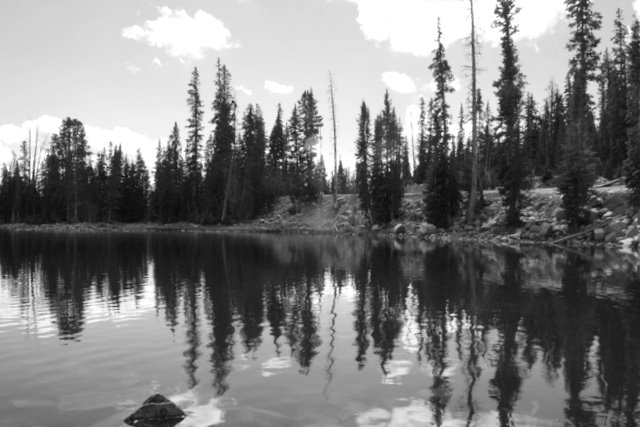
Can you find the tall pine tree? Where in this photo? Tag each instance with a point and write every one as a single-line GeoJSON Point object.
{"type": "Point", "coordinates": [363, 159]}
{"type": "Point", "coordinates": [578, 162]}
{"type": "Point", "coordinates": [442, 196]}
{"type": "Point", "coordinates": [220, 160]}
{"type": "Point", "coordinates": [193, 154]}
{"type": "Point", "coordinates": [632, 164]}
{"type": "Point", "coordinates": [277, 157]}
{"type": "Point", "coordinates": [509, 93]}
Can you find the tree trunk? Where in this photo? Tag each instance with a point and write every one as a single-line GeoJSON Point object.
{"type": "Point", "coordinates": [474, 124]}
{"type": "Point", "coordinates": [335, 144]}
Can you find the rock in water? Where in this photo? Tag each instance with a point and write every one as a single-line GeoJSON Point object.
{"type": "Point", "coordinates": [399, 229]}
{"type": "Point", "coordinates": [598, 235]}
{"type": "Point", "coordinates": [426, 229]}
{"type": "Point", "coordinates": [156, 411]}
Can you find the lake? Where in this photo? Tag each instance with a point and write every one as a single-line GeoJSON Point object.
{"type": "Point", "coordinates": [296, 330]}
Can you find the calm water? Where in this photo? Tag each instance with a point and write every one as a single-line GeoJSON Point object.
{"type": "Point", "coordinates": [313, 331]}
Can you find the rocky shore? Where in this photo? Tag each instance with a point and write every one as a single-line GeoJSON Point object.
{"type": "Point", "coordinates": [613, 223]}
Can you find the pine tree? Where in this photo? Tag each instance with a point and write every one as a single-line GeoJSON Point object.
{"type": "Point", "coordinates": [70, 156]}
{"type": "Point", "coordinates": [169, 174]}
{"type": "Point", "coordinates": [617, 100]}
{"type": "Point", "coordinates": [193, 155]}
{"type": "Point", "coordinates": [363, 159]}
{"type": "Point", "coordinates": [578, 163]}
{"type": "Point", "coordinates": [220, 161]}
{"type": "Point", "coordinates": [602, 143]}
{"type": "Point", "coordinates": [552, 133]}
{"type": "Point", "coordinates": [52, 189]}
{"type": "Point", "coordinates": [310, 124]}
{"type": "Point", "coordinates": [277, 157]}
{"type": "Point", "coordinates": [251, 160]}
{"type": "Point", "coordinates": [442, 196]}
{"type": "Point", "coordinates": [632, 164]}
{"type": "Point", "coordinates": [295, 160]}
{"type": "Point", "coordinates": [141, 189]}
{"type": "Point", "coordinates": [114, 182]}
{"type": "Point", "coordinates": [393, 143]}
{"type": "Point", "coordinates": [127, 199]}
{"type": "Point", "coordinates": [342, 182]}
{"type": "Point", "coordinates": [175, 164]}
{"type": "Point", "coordinates": [531, 134]}
{"type": "Point", "coordinates": [320, 177]}
{"type": "Point", "coordinates": [5, 195]}
{"type": "Point", "coordinates": [378, 185]}
{"type": "Point", "coordinates": [101, 186]}
{"type": "Point", "coordinates": [509, 93]}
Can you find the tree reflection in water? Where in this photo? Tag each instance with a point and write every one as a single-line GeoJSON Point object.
{"type": "Point", "coordinates": [487, 321]}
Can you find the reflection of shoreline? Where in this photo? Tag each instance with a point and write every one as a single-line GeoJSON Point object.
{"type": "Point", "coordinates": [491, 238]}
{"type": "Point", "coordinates": [479, 320]}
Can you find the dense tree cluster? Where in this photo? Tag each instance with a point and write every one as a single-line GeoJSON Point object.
{"type": "Point", "coordinates": [380, 175]}
{"type": "Point", "coordinates": [71, 188]}
{"type": "Point", "coordinates": [235, 174]}
{"type": "Point", "coordinates": [237, 170]}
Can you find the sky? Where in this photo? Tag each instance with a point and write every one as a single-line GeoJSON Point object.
{"type": "Point", "coordinates": [122, 67]}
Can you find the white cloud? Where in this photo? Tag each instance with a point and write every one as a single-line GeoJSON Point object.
{"type": "Point", "coordinates": [181, 35]}
{"type": "Point", "coordinates": [12, 135]}
{"type": "Point", "coordinates": [409, 26]}
{"type": "Point", "coordinates": [279, 88]}
{"type": "Point", "coordinates": [156, 61]}
{"type": "Point", "coordinates": [244, 90]}
{"type": "Point", "coordinates": [134, 69]}
{"type": "Point", "coordinates": [399, 82]}
{"type": "Point", "coordinates": [636, 6]}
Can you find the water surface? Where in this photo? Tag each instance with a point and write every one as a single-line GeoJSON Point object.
{"type": "Point", "coordinates": [313, 331]}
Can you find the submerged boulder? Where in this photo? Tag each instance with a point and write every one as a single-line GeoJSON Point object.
{"type": "Point", "coordinates": [156, 411]}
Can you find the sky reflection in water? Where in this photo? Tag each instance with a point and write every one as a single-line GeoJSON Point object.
{"type": "Point", "coordinates": [308, 330]}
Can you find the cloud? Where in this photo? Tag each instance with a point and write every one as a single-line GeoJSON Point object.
{"type": "Point", "coordinates": [12, 135]}
{"type": "Point", "coordinates": [398, 82]}
{"type": "Point", "coordinates": [636, 6]}
{"type": "Point", "coordinates": [409, 26]}
{"type": "Point", "coordinates": [279, 88]}
{"type": "Point", "coordinates": [134, 69]}
{"type": "Point", "coordinates": [181, 35]}
{"type": "Point", "coordinates": [244, 90]}
{"type": "Point", "coordinates": [156, 61]}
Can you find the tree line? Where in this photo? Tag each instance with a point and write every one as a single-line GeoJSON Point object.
{"type": "Point", "coordinates": [235, 174]}
{"type": "Point", "coordinates": [237, 171]}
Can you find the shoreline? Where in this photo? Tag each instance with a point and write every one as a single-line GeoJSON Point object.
{"type": "Point", "coordinates": [496, 236]}
{"type": "Point", "coordinates": [614, 226]}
